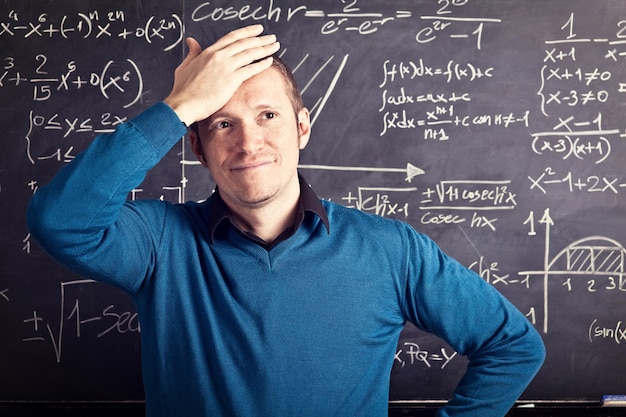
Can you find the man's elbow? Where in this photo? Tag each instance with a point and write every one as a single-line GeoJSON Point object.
{"type": "Point", "coordinates": [531, 351]}
{"type": "Point", "coordinates": [42, 222]}
{"type": "Point", "coordinates": [35, 218]}
{"type": "Point", "coordinates": [539, 349]}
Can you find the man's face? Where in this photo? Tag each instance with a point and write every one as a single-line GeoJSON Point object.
{"type": "Point", "coordinates": [251, 145]}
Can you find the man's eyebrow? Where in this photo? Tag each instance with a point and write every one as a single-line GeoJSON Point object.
{"type": "Point", "coordinates": [264, 105]}
{"type": "Point", "coordinates": [218, 114]}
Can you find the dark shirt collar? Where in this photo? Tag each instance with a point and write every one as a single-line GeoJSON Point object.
{"type": "Point", "coordinates": [309, 203]}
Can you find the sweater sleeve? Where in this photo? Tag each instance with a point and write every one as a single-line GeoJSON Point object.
{"type": "Point", "coordinates": [81, 217]}
{"type": "Point", "coordinates": [504, 350]}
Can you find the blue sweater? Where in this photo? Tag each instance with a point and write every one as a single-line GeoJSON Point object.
{"type": "Point", "coordinates": [308, 328]}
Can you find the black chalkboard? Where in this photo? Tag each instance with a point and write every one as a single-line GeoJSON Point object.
{"type": "Point", "coordinates": [496, 127]}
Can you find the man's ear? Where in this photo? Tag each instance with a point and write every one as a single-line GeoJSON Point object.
{"type": "Point", "coordinates": [196, 146]}
{"type": "Point", "coordinates": [304, 127]}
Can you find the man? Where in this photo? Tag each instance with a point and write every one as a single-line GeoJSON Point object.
{"type": "Point", "coordinates": [264, 300]}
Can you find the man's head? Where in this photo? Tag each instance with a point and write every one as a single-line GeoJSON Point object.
{"type": "Point", "coordinates": [251, 145]}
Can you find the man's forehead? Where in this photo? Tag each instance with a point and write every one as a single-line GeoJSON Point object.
{"type": "Point", "coordinates": [265, 90]}
{"type": "Point", "coordinates": [271, 78]}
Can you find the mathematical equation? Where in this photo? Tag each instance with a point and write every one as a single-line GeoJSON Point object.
{"type": "Point", "coordinates": [470, 195]}
{"type": "Point", "coordinates": [383, 202]}
{"type": "Point", "coordinates": [166, 31]}
{"type": "Point", "coordinates": [562, 86]}
{"type": "Point", "coordinates": [78, 320]}
{"type": "Point", "coordinates": [594, 144]}
{"type": "Point", "coordinates": [437, 202]}
{"type": "Point", "coordinates": [550, 179]}
{"type": "Point", "coordinates": [613, 333]}
{"type": "Point", "coordinates": [116, 79]}
{"type": "Point", "coordinates": [570, 80]}
{"type": "Point", "coordinates": [38, 147]}
{"type": "Point", "coordinates": [444, 113]}
{"type": "Point", "coordinates": [412, 354]}
{"type": "Point", "coordinates": [351, 18]}
{"type": "Point", "coordinates": [451, 199]}
{"type": "Point", "coordinates": [452, 71]}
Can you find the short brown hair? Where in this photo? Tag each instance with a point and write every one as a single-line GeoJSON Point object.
{"type": "Point", "coordinates": [292, 86]}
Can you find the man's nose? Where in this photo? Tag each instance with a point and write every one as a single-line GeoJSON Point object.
{"type": "Point", "coordinates": [250, 137]}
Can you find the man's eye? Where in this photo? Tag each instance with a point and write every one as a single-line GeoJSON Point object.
{"type": "Point", "coordinates": [222, 125]}
{"type": "Point", "coordinates": [269, 115]}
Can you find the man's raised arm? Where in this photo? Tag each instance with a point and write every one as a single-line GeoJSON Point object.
{"type": "Point", "coordinates": [82, 218]}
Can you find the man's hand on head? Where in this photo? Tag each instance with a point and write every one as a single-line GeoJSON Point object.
{"type": "Point", "coordinates": [207, 79]}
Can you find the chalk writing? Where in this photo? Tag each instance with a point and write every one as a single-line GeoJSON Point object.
{"type": "Point", "coordinates": [34, 321]}
{"type": "Point", "coordinates": [615, 333]}
{"type": "Point", "coordinates": [327, 90]}
{"type": "Point", "coordinates": [411, 170]}
{"type": "Point", "coordinates": [466, 195]}
{"type": "Point", "coordinates": [166, 31]}
{"type": "Point", "coordinates": [597, 149]}
{"type": "Point", "coordinates": [453, 71]}
{"type": "Point", "coordinates": [469, 195]}
{"type": "Point", "coordinates": [384, 202]}
{"type": "Point", "coordinates": [115, 78]}
{"type": "Point", "coordinates": [607, 283]}
{"type": "Point", "coordinates": [444, 114]}
{"type": "Point", "coordinates": [350, 18]}
{"type": "Point", "coordinates": [444, 24]}
{"type": "Point", "coordinates": [580, 139]}
{"type": "Point", "coordinates": [435, 98]}
{"type": "Point", "coordinates": [366, 23]}
{"type": "Point", "coordinates": [550, 179]}
{"type": "Point", "coordinates": [108, 320]}
{"type": "Point", "coordinates": [490, 272]}
{"type": "Point", "coordinates": [593, 256]}
{"type": "Point", "coordinates": [66, 126]}
{"type": "Point", "coordinates": [412, 354]}
{"type": "Point", "coordinates": [27, 245]}
{"type": "Point", "coordinates": [571, 79]}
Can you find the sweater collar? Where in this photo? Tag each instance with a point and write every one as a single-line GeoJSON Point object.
{"type": "Point", "coordinates": [309, 202]}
